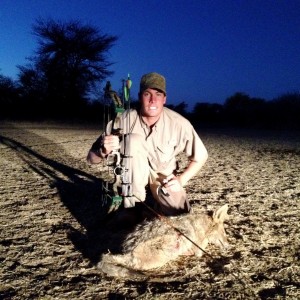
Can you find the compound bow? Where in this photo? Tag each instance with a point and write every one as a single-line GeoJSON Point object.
{"type": "Point", "coordinates": [119, 161]}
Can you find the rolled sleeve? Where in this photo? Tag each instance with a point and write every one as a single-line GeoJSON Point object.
{"type": "Point", "coordinates": [195, 149]}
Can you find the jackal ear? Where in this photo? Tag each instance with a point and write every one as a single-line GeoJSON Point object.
{"type": "Point", "coordinates": [221, 215]}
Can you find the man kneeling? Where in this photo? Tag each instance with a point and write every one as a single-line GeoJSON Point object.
{"type": "Point", "coordinates": [157, 135]}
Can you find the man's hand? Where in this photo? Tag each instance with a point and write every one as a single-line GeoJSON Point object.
{"type": "Point", "coordinates": [173, 183]}
{"type": "Point", "coordinates": [110, 143]}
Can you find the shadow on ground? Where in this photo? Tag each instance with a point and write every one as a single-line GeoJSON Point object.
{"type": "Point", "coordinates": [79, 191]}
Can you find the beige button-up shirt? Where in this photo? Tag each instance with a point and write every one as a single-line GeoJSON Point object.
{"type": "Point", "coordinates": [172, 134]}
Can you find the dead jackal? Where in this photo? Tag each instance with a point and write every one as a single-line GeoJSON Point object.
{"type": "Point", "coordinates": [154, 243]}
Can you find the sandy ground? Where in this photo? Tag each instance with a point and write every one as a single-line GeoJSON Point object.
{"type": "Point", "coordinates": [52, 235]}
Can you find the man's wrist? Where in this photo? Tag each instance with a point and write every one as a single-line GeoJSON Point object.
{"type": "Point", "coordinates": [182, 180]}
{"type": "Point", "coordinates": [100, 152]}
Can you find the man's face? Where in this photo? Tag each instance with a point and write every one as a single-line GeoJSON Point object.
{"type": "Point", "coordinates": [152, 102]}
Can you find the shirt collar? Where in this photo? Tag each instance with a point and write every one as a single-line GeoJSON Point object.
{"type": "Point", "coordinates": [157, 124]}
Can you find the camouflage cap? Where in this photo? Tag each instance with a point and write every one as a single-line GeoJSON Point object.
{"type": "Point", "coordinates": [153, 81]}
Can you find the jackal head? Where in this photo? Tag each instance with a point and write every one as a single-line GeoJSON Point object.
{"type": "Point", "coordinates": [217, 234]}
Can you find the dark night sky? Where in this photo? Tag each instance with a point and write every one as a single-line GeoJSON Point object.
{"type": "Point", "coordinates": [206, 49]}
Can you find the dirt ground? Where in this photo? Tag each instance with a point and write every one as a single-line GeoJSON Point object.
{"type": "Point", "coordinates": [52, 235]}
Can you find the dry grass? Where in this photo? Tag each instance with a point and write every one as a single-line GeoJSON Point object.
{"type": "Point", "coordinates": [52, 235]}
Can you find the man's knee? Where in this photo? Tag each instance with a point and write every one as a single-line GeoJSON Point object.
{"type": "Point", "coordinates": [172, 203]}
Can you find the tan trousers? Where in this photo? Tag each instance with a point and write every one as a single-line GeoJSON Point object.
{"type": "Point", "coordinates": [166, 201]}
